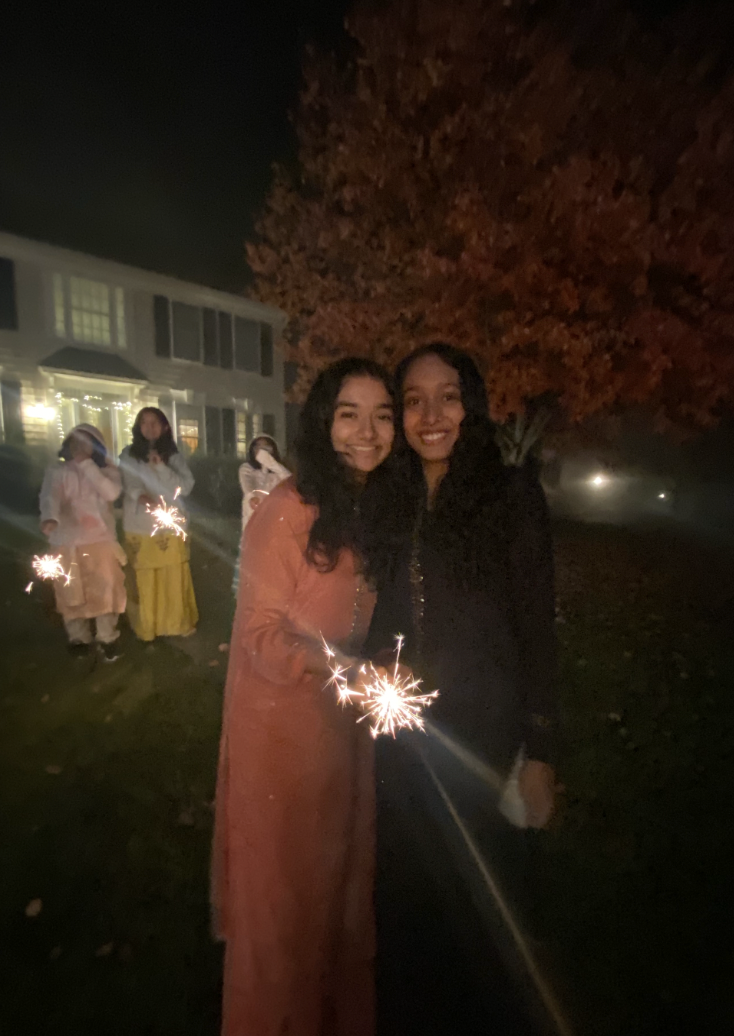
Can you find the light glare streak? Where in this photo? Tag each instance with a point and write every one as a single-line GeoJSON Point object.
{"type": "Point", "coordinates": [544, 990]}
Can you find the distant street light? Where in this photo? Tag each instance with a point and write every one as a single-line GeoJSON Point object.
{"type": "Point", "coordinates": [597, 481]}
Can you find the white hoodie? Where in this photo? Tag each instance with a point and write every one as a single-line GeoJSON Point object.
{"type": "Point", "coordinates": [155, 480]}
{"type": "Point", "coordinates": [79, 496]}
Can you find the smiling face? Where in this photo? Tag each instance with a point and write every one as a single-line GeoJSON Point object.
{"type": "Point", "coordinates": [362, 430]}
{"type": "Point", "coordinates": [432, 410]}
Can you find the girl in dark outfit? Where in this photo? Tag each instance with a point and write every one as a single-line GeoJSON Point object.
{"type": "Point", "coordinates": [471, 589]}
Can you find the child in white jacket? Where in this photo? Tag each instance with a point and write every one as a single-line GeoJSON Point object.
{"type": "Point", "coordinates": [76, 515]}
{"type": "Point", "coordinates": [261, 472]}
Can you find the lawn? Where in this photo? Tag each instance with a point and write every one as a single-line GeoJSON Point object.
{"type": "Point", "coordinates": [637, 870]}
{"type": "Point", "coordinates": [108, 779]}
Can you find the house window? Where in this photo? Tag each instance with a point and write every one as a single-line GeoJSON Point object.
{"type": "Point", "coordinates": [8, 310]}
{"type": "Point", "coordinates": [89, 311]}
{"type": "Point", "coordinates": [266, 350]}
{"type": "Point", "coordinates": [188, 433]}
{"type": "Point", "coordinates": [162, 322]}
{"type": "Point", "coordinates": [186, 332]}
{"type": "Point", "coordinates": [211, 344]}
{"type": "Point", "coordinates": [225, 341]}
{"type": "Point", "coordinates": [241, 433]}
{"type": "Point", "coordinates": [246, 345]}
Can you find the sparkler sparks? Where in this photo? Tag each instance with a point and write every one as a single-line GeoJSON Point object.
{"type": "Point", "coordinates": [169, 519]}
{"type": "Point", "coordinates": [387, 698]}
{"type": "Point", "coordinates": [48, 566]}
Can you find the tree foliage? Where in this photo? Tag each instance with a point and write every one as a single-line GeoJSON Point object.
{"type": "Point", "coordinates": [554, 196]}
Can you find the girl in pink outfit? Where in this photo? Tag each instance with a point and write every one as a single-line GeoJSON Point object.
{"type": "Point", "coordinates": [76, 514]}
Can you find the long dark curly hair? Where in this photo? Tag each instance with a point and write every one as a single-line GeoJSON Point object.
{"type": "Point", "coordinates": [345, 506]}
{"type": "Point", "coordinates": [469, 521]}
{"type": "Point", "coordinates": [164, 446]}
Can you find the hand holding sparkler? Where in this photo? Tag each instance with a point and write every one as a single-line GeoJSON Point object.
{"type": "Point", "coordinates": [386, 696]}
{"type": "Point", "coordinates": [168, 519]}
{"type": "Point", "coordinates": [48, 566]}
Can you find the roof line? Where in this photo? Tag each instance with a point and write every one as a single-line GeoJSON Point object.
{"type": "Point", "coordinates": [15, 247]}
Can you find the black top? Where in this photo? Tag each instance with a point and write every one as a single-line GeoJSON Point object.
{"type": "Point", "coordinates": [490, 651]}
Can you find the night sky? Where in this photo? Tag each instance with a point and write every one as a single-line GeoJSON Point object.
{"type": "Point", "coordinates": [146, 134]}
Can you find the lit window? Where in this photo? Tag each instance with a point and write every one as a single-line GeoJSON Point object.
{"type": "Point", "coordinates": [188, 434]}
{"type": "Point", "coordinates": [59, 308]}
{"type": "Point", "coordinates": [257, 425]}
{"type": "Point", "coordinates": [90, 311]}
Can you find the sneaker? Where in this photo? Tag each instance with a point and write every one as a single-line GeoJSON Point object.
{"type": "Point", "coordinates": [78, 650]}
{"type": "Point", "coordinates": [111, 651]}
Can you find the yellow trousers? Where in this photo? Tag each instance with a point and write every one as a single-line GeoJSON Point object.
{"type": "Point", "coordinates": [161, 601]}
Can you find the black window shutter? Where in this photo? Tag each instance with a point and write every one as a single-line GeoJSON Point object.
{"type": "Point", "coordinates": [225, 341]}
{"type": "Point", "coordinates": [8, 308]}
{"type": "Point", "coordinates": [269, 424]}
{"type": "Point", "coordinates": [213, 430]}
{"type": "Point", "coordinates": [10, 396]}
{"type": "Point", "coordinates": [162, 320]}
{"type": "Point", "coordinates": [266, 350]}
{"type": "Point", "coordinates": [229, 431]}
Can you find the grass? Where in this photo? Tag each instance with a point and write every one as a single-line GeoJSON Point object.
{"type": "Point", "coordinates": [116, 844]}
{"type": "Point", "coordinates": [637, 869]}
{"type": "Point", "coordinates": [634, 875]}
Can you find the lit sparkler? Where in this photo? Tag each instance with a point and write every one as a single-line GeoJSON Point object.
{"type": "Point", "coordinates": [48, 566]}
{"type": "Point", "coordinates": [387, 698]}
{"type": "Point", "coordinates": [339, 679]}
{"type": "Point", "coordinates": [169, 519]}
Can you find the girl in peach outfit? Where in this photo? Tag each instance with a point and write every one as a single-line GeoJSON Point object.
{"type": "Point", "coordinates": [76, 514]}
{"type": "Point", "coordinates": [295, 811]}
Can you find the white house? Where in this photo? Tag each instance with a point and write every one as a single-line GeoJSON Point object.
{"type": "Point", "coordinates": [85, 339]}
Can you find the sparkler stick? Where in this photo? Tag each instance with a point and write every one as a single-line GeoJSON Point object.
{"type": "Point", "coordinates": [169, 519]}
{"type": "Point", "coordinates": [387, 699]}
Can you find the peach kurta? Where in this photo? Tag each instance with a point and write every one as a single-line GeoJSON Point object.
{"type": "Point", "coordinates": [294, 833]}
